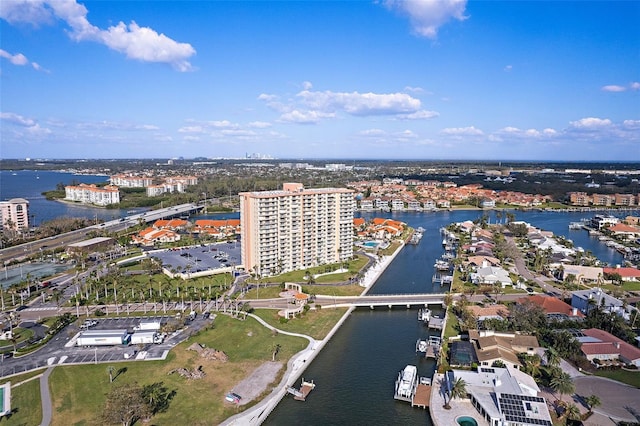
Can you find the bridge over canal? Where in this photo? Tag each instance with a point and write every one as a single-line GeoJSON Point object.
{"type": "Point", "coordinates": [388, 300]}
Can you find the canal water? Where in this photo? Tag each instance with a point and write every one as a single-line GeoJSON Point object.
{"type": "Point", "coordinates": [355, 373]}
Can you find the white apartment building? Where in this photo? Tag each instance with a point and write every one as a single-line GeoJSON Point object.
{"type": "Point", "coordinates": [295, 228]}
{"type": "Point", "coordinates": [130, 181]}
{"type": "Point", "coordinates": [91, 194]}
{"type": "Point", "coordinates": [14, 214]}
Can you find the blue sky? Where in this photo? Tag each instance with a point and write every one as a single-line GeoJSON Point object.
{"type": "Point", "coordinates": [446, 79]}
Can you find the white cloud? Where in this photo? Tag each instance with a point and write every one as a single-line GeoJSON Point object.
{"type": "Point", "coordinates": [590, 123]}
{"type": "Point", "coordinates": [416, 90]}
{"type": "Point", "coordinates": [139, 43]}
{"type": "Point", "coordinates": [27, 126]}
{"type": "Point", "coordinates": [306, 85]}
{"type": "Point", "coordinates": [407, 134]}
{"type": "Point", "coordinates": [17, 59]}
{"type": "Point", "coordinates": [28, 11]}
{"type": "Point", "coordinates": [17, 119]}
{"type": "Point", "coordinates": [631, 124]}
{"type": "Point", "coordinates": [613, 88]}
{"type": "Point", "coordinates": [305, 117]}
{"type": "Point", "coordinates": [462, 131]}
{"type": "Point", "coordinates": [427, 16]}
{"type": "Point", "coordinates": [419, 115]}
{"type": "Point", "coordinates": [191, 129]}
{"type": "Point", "coordinates": [508, 68]}
{"type": "Point", "coordinates": [222, 124]}
{"type": "Point", "coordinates": [355, 103]}
{"type": "Point", "coordinates": [635, 85]}
{"type": "Point", "coordinates": [523, 133]}
{"type": "Point", "coordinates": [259, 124]}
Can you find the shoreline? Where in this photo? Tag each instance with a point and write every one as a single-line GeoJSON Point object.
{"type": "Point", "coordinates": [298, 363]}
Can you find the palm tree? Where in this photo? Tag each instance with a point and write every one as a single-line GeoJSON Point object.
{"type": "Point", "coordinates": [572, 412]}
{"type": "Point", "coordinates": [110, 370]}
{"type": "Point", "coordinates": [592, 401]}
{"type": "Point", "coordinates": [552, 357]}
{"type": "Point", "coordinates": [563, 384]}
{"type": "Point", "coordinates": [458, 389]}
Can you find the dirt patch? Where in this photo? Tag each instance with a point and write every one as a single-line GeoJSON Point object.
{"type": "Point", "coordinates": [257, 382]}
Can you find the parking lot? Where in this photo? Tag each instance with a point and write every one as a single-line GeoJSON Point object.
{"type": "Point", "coordinates": [96, 354]}
{"type": "Point", "coordinates": [205, 257]}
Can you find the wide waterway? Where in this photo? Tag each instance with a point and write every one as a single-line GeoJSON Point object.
{"type": "Point", "coordinates": [356, 372]}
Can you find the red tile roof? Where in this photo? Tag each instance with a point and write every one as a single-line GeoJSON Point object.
{"type": "Point", "coordinates": [624, 272]}
{"type": "Point", "coordinates": [550, 305]}
{"type": "Point", "coordinates": [627, 351]}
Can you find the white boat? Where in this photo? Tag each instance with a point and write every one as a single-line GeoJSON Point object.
{"type": "Point", "coordinates": [424, 315]}
{"type": "Point", "coordinates": [441, 265]}
{"type": "Point", "coordinates": [415, 238]}
{"type": "Point", "coordinates": [406, 383]}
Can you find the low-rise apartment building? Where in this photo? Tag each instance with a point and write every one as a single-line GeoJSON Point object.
{"type": "Point", "coordinates": [92, 194]}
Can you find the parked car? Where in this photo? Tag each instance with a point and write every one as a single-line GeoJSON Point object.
{"type": "Point", "coordinates": [233, 397]}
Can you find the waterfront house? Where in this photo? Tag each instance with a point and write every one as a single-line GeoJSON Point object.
{"type": "Point", "coordinates": [491, 275]}
{"type": "Point", "coordinates": [491, 346]}
{"type": "Point", "coordinates": [624, 231]}
{"type": "Point", "coordinates": [503, 396]}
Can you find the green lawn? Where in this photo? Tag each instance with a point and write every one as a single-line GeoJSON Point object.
{"type": "Point", "coordinates": [314, 323]}
{"type": "Point", "coordinates": [452, 327]}
{"type": "Point", "coordinates": [629, 377]}
{"type": "Point", "coordinates": [626, 286]}
{"type": "Point", "coordinates": [79, 391]}
{"type": "Point", "coordinates": [25, 404]}
{"type": "Point", "coordinates": [336, 290]}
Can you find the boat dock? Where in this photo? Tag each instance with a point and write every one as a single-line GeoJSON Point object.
{"type": "Point", "coordinates": [436, 323]}
{"type": "Point", "coordinates": [304, 390]}
{"type": "Point", "coordinates": [423, 394]}
{"type": "Point", "coordinates": [430, 348]}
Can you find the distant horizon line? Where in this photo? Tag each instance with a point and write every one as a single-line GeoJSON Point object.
{"type": "Point", "coordinates": [335, 160]}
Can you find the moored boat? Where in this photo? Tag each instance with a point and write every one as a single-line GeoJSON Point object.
{"type": "Point", "coordinates": [406, 383]}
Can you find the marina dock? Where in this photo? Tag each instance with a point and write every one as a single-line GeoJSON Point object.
{"type": "Point", "coordinates": [304, 390]}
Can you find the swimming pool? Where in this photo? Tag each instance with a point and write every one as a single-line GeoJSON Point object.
{"type": "Point", "coordinates": [466, 421]}
{"type": "Point", "coordinates": [371, 244]}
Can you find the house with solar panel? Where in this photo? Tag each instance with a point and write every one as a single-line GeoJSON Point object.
{"type": "Point", "coordinates": [504, 396]}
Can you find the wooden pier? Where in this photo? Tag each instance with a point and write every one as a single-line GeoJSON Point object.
{"type": "Point", "coordinates": [304, 390]}
{"type": "Point", "coordinates": [422, 396]}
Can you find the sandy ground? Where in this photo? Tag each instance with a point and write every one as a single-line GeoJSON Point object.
{"type": "Point", "coordinates": [251, 387]}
